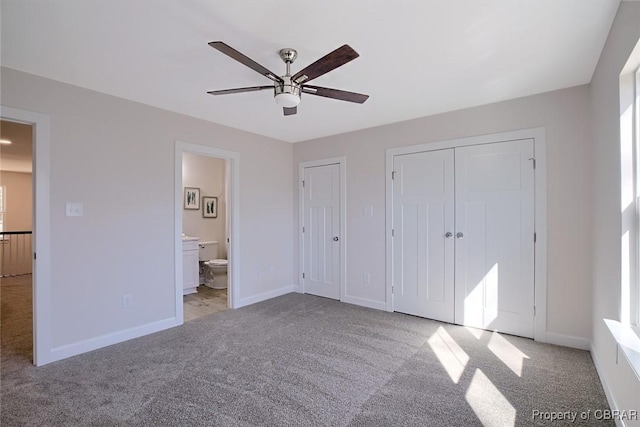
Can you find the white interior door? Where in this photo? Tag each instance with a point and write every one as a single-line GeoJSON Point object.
{"type": "Point", "coordinates": [494, 264]}
{"type": "Point", "coordinates": [321, 231]}
{"type": "Point", "coordinates": [423, 253]}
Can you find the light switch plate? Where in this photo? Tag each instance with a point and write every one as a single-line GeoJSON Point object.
{"type": "Point", "coordinates": [74, 209]}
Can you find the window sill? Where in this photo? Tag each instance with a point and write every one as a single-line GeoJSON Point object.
{"type": "Point", "coordinates": [628, 341]}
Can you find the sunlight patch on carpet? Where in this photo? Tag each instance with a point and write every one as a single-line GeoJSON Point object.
{"type": "Point", "coordinates": [488, 403]}
{"type": "Point", "coordinates": [451, 356]}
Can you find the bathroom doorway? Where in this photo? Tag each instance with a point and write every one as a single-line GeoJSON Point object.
{"type": "Point", "coordinates": [206, 224]}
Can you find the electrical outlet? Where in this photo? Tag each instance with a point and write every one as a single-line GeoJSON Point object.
{"type": "Point", "coordinates": [127, 299]}
{"type": "Point", "coordinates": [366, 278]}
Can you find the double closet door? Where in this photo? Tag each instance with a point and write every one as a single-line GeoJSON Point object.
{"type": "Point", "coordinates": [463, 236]}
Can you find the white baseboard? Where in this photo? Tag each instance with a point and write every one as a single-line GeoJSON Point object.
{"type": "Point", "coordinates": [568, 341]}
{"type": "Point", "coordinates": [265, 296]}
{"type": "Point", "coordinates": [378, 305]}
{"type": "Point", "coordinates": [298, 289]}
{"type": "Point", "coordinates": [69, 350]}
{"type": "Point", "coordinates": [605, 385]}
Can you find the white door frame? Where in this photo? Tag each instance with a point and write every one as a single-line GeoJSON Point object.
{"type": "Point", "coordinates": [41, 229]}
{"type": "Point", "coordinates": [233, 217]}
{"type": "Point", "coordinates": [540, 215]}
{"type": "Point", "coordinates": [342, 162]}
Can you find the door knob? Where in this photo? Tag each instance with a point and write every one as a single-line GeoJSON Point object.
{"type": "Point", "coordinates": [448, 234]}
{"type": "Point", "coordinates": [335, 239]}
{"type": "Point", "coordinates": [459, 235]}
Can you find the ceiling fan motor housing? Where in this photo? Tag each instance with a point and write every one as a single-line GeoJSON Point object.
{"type": "Point", "coordinates": [287, 93]}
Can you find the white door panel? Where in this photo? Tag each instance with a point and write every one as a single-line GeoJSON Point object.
{"type": "Point", "coordinates": [422, 215]}
{"type": "Point", "coordinates": [495, 257]}
{"type": "Point", "coordinates": [485, 277]}
{"type": "Point", "coordinates": [321, 226]}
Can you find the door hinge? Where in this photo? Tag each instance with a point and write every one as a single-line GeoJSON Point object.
{"type": "Point", "coordinates": [303, 275]}
{"type": "Point", "coordinates": [393, 287]}
{"type": "Point", "coordinates": [533, 159]}
{"type": "Point", "coordinates": [303, 184]}
{"type": "Point", "coordinates": [534, 311]}
{"type": "Point", "coordinates": [34, 255]}
{"type": "Point", "coordinates": [393, 174]}
{"type": "Point", "coordinates": [392, 232]}
{"type": "Point", "coordinates": [303, 229]}
{"type": "Point", "coordinates": [535, 237]}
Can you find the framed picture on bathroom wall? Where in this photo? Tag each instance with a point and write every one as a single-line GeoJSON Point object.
{"type": "Point", "coordinates": [191, 198]}
{"type": "Point", "coordinates": [210, 207]}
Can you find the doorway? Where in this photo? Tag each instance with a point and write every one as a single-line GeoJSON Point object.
{"type": "Point", "coordinates": [16, 212]}
{"type": "Point", "coordinates": [462, 223]}
{"type": "Point", "coordinates": [217, 209]}
{"type": "Point", "coordinates": [205, 233]}
{"type": "Point", "coordinates": [39, 286]}
{"type": "Point", "coordinates": [322, 224]}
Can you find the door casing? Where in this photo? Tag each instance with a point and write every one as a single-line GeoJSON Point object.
{"type": "Point", "coordinates": [540, 214]}
{"type": "Point", "coordinates": [233, 218]}
{"type": "Point", "coordinates": [41, 279]}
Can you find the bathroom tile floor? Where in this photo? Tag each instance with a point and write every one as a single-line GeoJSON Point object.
{"type": "Point", "coordinates": [204, 302]}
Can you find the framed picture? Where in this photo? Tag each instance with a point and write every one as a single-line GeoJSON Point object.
{"type": "Point", "coordinates": [210, 207]}
{"type": "Point", "coordinates": [191, 198]}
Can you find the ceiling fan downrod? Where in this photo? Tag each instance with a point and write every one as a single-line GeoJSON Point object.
{"type": "Point", "coordinates": [287, 93]}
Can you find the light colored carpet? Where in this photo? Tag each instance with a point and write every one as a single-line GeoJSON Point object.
{"type": "Point", "coordinates": [300, 360]}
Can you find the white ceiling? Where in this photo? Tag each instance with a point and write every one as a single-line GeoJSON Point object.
{"type": "Point", "coordinates": [417, 57]}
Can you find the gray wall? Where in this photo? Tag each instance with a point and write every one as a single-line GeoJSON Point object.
{"type": "Point", "coordinates": [565, 116]}
{"type": "Point", "coordinates": [607, 226]}
{"type": "Point", "coordinates": [117, 157]}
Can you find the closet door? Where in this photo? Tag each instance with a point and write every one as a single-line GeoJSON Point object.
{"type": "Point", "coordinates": [494, 261]}
{"type": "Point", "coordinates": [322, 245]}
{"type": "Point", "coordinates": [422, 250]}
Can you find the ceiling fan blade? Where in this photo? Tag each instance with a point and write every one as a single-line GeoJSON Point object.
{"type": "Point", "coordinates": [243, 59]}
{"type": "Point", "coordinates": [342, 95]}
{"type": "Point", "coordinates": [290, 111]}
{"type": "Point", "coordinates": [239, 90]}
{"type": "Point", "coordinates": [329, 62]}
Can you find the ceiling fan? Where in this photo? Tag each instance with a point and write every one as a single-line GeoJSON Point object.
{"type": "Point", "coordinates": [287, 89]}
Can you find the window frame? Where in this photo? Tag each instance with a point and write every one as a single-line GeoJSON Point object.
{"type": "Point", "coordinates": [635, 288]}
{"type": "Point", "coordinates": [3, 207]}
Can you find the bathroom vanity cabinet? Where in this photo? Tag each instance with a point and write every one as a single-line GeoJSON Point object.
{"type": "Point", "coordinates": [190, 267]}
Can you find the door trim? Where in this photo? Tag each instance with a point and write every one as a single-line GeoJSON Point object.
{"type": "Point", "coordinates": [233, 203]}
{"type": "Point", "coordinates": [540, 207]}
{"type": "Point", "coordinates": [342, 162]}
{"type": "Point", "coordinates": [41, 278]}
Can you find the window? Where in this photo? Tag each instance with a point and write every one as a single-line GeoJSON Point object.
{"type": "Point", "coordinates": [630, 195]}
{"type": "Point", "coordinates": [634, 297]}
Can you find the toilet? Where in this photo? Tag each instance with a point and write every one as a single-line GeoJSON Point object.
{"type": "Point", "coordinates": [214, 269]}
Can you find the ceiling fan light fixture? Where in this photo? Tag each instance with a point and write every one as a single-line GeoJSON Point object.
{"type": "Point", "coordinates": [287, 94]}
{"type": "Point", "coordinates": [287, 100]}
